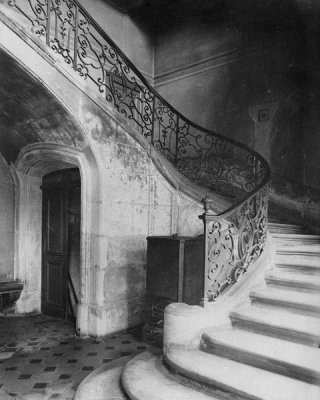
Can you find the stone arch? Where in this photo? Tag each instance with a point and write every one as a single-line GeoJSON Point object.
{"type": "Point", "coordinates": [33, 163]}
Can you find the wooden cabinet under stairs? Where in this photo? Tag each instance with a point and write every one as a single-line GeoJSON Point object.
{"type": "Point", "coordinates": [174, 274]}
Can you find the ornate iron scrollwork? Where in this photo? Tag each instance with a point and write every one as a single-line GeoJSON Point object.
{"type": "Point", "coordinates": [235, 238]}
{"type": "Point", "coordinates": [233, 243]}
{"type": "Point", "coordinates": [36, 11]}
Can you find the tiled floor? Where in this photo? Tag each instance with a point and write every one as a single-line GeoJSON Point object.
{"type": "Point", "coordinates": [49, 361]}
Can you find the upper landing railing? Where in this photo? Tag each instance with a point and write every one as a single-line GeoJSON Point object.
{"type": "Point", "coordinates": [234, 238]}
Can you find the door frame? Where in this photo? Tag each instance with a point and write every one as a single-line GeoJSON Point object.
{"type": "Point", "coordinates": [33, 163]}
{"type": "Point", "coordinates": [63, 190]}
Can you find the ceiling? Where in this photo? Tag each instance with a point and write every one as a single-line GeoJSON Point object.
{"type": "Point", "coordinates": [28, 113]}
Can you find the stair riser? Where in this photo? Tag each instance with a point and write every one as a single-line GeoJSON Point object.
{"type": "Point", "coordinates": [276, 331]}
{"type": "Point", "coordinates": [259, 361]}
{"type": "Point", "coordinates": [300, 286]}
{"type": "Point", "coordinates": [297, 308]}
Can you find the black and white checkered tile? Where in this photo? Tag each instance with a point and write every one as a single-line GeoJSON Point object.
{"type": "Point", "coordinates": [48, 361]}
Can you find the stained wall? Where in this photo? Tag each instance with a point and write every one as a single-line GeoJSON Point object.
{"type": "Point", "coordinates": [7, 218]}
{"type": "Point", "coordinates": [137, 201]}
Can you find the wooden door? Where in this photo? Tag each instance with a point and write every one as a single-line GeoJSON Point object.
{"type": "Point", "coordinates": [54, 252]}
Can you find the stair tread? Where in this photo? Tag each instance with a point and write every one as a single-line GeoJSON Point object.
{"type": "Point", "coordinates": [285, 225]}
{"type": "Point", "coordinates": [145, 378]}
{"type": "Point", "coordinates": [103, 383]}
{"type": "Point", "coordinates": [238, 378]}
{"type": "Point", "coordinates": [298, 260]}
{"type": "Point", "coordinates": [288, 296]}
{"type": "Point", "coordinates": [275, 227]}
{"type": "Point", "coordinates": [284, 319]}
{"type": "Point", "coordinates": [299, 249]}
{"type": "Point", "coordinates": [289, 276]}
{"type": "Point", "coordinates": [290, 240]}
{"type": "Point", "coordinates": [296, 236]}
{"type": "Point", "coordinates": [270, 349]}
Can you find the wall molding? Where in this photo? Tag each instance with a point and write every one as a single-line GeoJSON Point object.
{"type": "Point", "coordinates": [206, 64]}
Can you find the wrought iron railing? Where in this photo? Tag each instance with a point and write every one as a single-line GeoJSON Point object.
{"type": "Point", "coordinates": [235, 237]}
{"type": "Point", "coordinates": [233, 241]}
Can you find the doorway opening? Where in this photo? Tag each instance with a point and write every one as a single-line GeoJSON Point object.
{"type": "Point", "coordinates": [61, 219]}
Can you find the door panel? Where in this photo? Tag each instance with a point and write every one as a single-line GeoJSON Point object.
{"type": "Point", "coordinates": [55, 223]}
{"type": "Point", "coordinates": [54, 278]}
{"type": "Point", "coordinates": [54, 254]}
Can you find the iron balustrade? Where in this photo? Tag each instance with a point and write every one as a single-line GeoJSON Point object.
{"type": "Point", "coordinates": [233, 241]}
{"type": "Point", "coordinates": [235, 238]}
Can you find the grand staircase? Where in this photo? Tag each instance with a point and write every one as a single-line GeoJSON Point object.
{"type": "Point", "coordinates": [269, 349]}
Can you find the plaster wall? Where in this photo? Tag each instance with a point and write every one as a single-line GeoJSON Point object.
{"type": "Point", "coordinates": [28, 244]}
{"type": "Point", "coordinates": [7, 218]}
{"type": "Point", "coordinates": [312, 101]}
{"type": "Point", "coordinates": [136, 201]}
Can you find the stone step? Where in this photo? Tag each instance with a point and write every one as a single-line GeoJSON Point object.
{"type": "Point", "coordinates": [103, 383]}
{"type": "Point", "coordinates": [303, 250]}
{"type": "Point", "coordinates": [301, 263]}
{"type": "Point", "coordinates": [283, 325]}
{"type": "Point", "coordinates": [295, 301]}
{"type": "Point", "coordinates": [238, 379]}
{"type": "Point", "coordinates": [146, 378]}
{"type": "Point", "coordinates": [295, 239]}
{"type": "Point", "coordinates": [294, 281]}
{"type": "Point", "coordinates": [275, 227]}
{"type": "Point", "coordinates": [276, 355]}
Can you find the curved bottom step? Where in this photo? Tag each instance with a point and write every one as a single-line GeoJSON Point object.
{"type": "Point", "coordinates": [146, 378]}
{"type": "Point", "coordinates": [103, 383]}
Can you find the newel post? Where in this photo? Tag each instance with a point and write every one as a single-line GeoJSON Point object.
{"type": "Point", "coordinates": [207, 217]}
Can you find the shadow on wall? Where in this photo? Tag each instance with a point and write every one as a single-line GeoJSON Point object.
{"type": "Point", "coordinates": [294, 202]}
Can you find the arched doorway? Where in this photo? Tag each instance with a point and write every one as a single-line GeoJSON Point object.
{"type": "Point", "coordinates": [35, 162]}
{"type": "Point", "coordinates": [61, 216]}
